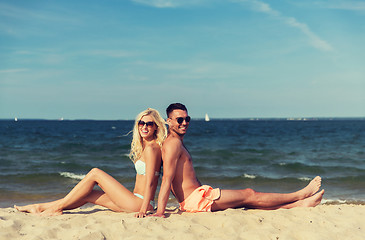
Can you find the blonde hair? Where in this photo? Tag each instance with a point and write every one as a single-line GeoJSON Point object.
{"type": "Point", "coordinates": [159, 135]}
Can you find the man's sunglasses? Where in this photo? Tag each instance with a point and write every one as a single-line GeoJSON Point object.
{"type": "Point", "coordinates": [180, 120]}
{"type": "Point", "coordinates": [148, 124]}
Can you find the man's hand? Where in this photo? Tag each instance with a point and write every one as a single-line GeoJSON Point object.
{"type": "Point", "coordinates": [157, 215]}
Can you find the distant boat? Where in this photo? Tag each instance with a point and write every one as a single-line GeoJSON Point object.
{"type": "Point", "coordinates": [207, 119]}
{"type": "Point", "coordinates": [15, 119]}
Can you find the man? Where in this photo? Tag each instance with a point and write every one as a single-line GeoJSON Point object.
{"type": "Point", "coordinates": [179, 176]}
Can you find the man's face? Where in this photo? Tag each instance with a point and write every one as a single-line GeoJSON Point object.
{"type": "Point", "coordinates": [177, 116]}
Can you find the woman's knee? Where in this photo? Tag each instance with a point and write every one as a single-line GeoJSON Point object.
{"type": "Point", "coordinates": [95, 172]}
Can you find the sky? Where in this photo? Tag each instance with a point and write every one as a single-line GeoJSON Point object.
{"type": "Point", "coordinates": [112, 59]}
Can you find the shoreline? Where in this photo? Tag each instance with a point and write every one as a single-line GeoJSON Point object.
{"type": "Point", "coordinates": [344, 221]}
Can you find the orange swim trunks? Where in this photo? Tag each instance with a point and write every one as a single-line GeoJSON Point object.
{"type": "Point", "coordinates": [201, 199]}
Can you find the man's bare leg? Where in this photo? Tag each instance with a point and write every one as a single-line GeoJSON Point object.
{"type": "Point", "coordinates": [311, 201]}
{"type": "Point", "coordinates": [252, 199]}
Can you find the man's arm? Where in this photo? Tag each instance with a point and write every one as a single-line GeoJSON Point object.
{"type": "Point", "coordinates": [171, 152]}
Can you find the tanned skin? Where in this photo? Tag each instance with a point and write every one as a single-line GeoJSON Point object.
{"type": "Point", "coordinates": [180, 178]}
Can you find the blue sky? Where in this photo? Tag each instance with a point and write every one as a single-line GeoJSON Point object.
{"type": "Point", "coordinates": [230, 58]}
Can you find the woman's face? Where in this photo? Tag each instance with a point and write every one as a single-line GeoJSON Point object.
{"type": "Point", "coordinates": [147, 127]}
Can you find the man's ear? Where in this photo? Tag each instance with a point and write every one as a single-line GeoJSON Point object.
{"type": "Point", "coordinates": [168, 121]}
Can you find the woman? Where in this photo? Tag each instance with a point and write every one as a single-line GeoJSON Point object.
{"type": "Point", "coordinates": [148, 134]}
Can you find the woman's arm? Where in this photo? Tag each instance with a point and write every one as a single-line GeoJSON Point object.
{"type": "Point", "coordinates": [152, 158]}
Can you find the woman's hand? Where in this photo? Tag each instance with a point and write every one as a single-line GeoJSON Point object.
{"type": "Point", "coordinates": [140, 215]}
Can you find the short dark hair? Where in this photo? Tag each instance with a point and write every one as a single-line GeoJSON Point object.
{"type": "Point", "coordinates": [174, 106]}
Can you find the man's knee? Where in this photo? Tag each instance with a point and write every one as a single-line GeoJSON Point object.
{"type": "Point", "coordinates": [249, 195]}
{"type": "Point", "coordinates": [249, 192]}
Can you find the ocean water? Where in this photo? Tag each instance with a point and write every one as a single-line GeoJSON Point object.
{"type": "Point", "coordinates": [42, 160]}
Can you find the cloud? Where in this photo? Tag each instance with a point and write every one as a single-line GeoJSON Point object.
{"type": "Point", "coordinates": [15, 70]}
{"type": "Point", "coordinates": [115, 53]}
{"type": "Point", "coordinates": [263, 7]}
{"type": "Point", "coordinates": [193, 72]}
{"type": "Point", "coordinates": [170, 3]}
{"type": "Point", "coordinates": [16, 12]}
{"type": "Point", "coordinates": [158, 3]}
{"type": "Point", "coordinates": [342, 5]}
{"type": "Point", "coordinates": [17, 21]}
{"type": "Point", "coordinates": [55, 15]}
{"type": "Point", "coordinates": [314, 40]}
{"type": "Point", "coordinates": [257, 6]}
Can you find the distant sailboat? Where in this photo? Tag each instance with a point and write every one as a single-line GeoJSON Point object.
{"type": "Point", "coordinates": [207, 119]}
{"type": "Point", "coordinates": [15, 119]}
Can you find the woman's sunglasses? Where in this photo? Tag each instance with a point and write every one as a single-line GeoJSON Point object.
{"type": "Point", "coordinates": [148, 124]}
{"type": "Point", "coordinates": [180, 120]}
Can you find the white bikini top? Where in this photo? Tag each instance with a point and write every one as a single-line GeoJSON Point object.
{"type": "Point", "coordinates": [140, 167]}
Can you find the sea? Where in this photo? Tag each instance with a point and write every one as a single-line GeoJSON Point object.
{"type": "Point", "coordinates": [41, 160]}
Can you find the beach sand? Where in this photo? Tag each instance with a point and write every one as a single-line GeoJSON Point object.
{"type": "Point", "coordinates": [321, 222]}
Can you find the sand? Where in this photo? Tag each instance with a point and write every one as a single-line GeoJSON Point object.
{"type": "Point", "coordinates": [321, 222]}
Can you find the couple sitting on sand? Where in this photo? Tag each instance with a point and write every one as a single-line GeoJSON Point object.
{"type": "Point", "coordinates": [150, 148]}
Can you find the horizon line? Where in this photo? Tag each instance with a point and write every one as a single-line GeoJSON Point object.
{"type": "Point", "coordinates": [200, 118]}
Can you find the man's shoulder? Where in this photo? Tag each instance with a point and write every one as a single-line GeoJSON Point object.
{"type": "Point", "coordinates": [172, 140]}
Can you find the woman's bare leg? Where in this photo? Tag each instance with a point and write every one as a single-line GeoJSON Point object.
{"type": "Point", "coordinates": [114, 196]}
{"type": "Point", "coordinates": [95, 197]}
{"type": "Point", "coordinates": [40, 207]}
{"type": "Point", "coordinates": [252, 199]}
{"type": "Point", "coordinates": [99, 198]}
{"type": "Point", "coordinates": [31, 208]}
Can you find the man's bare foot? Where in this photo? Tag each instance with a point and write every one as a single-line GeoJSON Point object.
{"type": "Point", "coordinates": [32, 208]}
{"type": "Point", "coordinates": [311, 201]}
{"type": "Point", "coordinates": [311, 188]}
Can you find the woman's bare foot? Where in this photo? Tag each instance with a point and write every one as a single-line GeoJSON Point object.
{"type": "Point", "coordinates": [311, 188]}
{"type": "Point", "coordinates": [32, 208]}
{"type": "Point", "coordinates": [39, 210]}
{"type": "Point", "coordinates": [52, 211]}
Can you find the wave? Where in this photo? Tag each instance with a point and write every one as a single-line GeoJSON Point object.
{"type": "Point", "coordinates": [339, 201]}
{"type": "Point", "coordinates": [72, 175]}
{"type": "Point", "coordinates": [249, 176]}
{"type": "Point", "coordinates": [305, 179]}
